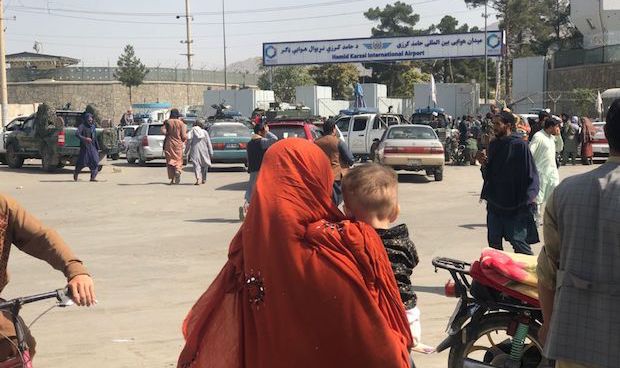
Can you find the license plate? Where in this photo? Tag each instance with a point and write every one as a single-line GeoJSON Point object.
{"type": "Point", "coordinates": [605, 149]}
{"type": "Point", "coordinates": [457, 308]}
{"type": "Point", "coordinates": [414, 162]}
{"type": "Point", "coordinates": [231, 146]}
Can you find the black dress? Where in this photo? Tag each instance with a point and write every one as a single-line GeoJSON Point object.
{"type": "Point", "coordinates": [404, 257]}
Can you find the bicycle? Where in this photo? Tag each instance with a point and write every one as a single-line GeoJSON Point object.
{"type": "Point", "coordinates": [14, 306]}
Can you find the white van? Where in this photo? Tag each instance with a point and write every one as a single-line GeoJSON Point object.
{"type": "Point", "coordinates": [362, 132]}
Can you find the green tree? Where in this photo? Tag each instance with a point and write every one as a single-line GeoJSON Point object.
{"type": "Point", "coordinates": [396, 19]}
{"type": "Point", "coordinates": [584, 101]}
{"type": "Point", "coordinates": [282, 80]}
{"type": "Point", "coordinates": [410, 77]}
{"type": "Point", "coordinates": [130, 71]}
{"type": "Point", "coordinates": [340, 77]}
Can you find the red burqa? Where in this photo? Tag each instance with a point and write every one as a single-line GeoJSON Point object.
{"type": "Point", "coordinates": [587, 135]}
{"type": "Point", "coordinates": [302, 287]}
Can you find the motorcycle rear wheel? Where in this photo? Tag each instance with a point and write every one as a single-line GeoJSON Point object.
{"type": "Point", "coordinates": [496, 351]}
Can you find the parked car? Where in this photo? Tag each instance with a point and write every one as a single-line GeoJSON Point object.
{"type": "Point", "coordinates": [147, 144]}
{"type": "Point", "coordinates": [56, 145]}
{"type": "Point", "coordinates": [600, 146]}
{"type": "Point", "coordinates": [230, 141]}
{"type": "Point", "coordinates": [14, 125]}
{"type": "Point", "coordinates": [125, 135]}
{"type": "Point", "coordinates": [362, 132]}
{"type": "Point", "coordinates": [294, 128]}
{"type": "Point", "coordinates": [413, 148]}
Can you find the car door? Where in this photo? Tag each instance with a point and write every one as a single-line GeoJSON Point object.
{"type": "Point", "coordinates": [343, 125]}
{"type": "Point", "coordinates": [357, 135]}
{"type": "Point", "coordinates": [132, 148]}
{"type": "Point", "coordinates": [26, 138]}
{"type": "Point", "coordinates": [375, 130]}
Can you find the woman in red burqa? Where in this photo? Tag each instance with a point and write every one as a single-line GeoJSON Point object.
{"type": "Point", "coordinates": [303, 287]}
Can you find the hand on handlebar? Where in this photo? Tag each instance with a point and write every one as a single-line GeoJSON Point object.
{"type": "Point", "coordinates": [82, 290]}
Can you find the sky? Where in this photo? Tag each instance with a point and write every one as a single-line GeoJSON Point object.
{"type": "Point", "coordinates": [95, 31]}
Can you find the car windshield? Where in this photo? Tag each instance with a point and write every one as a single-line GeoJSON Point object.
{"type": "Point", "coordinates": [155, 129]}
{"type": "Point", "coordinates": [411, 132]}
{"type": "Point", "coordinates": [288, 131]}
{"type": "Point", "coordinates": [234, 131]}
{"type": "Point", "coordinates": [428, 119]}
{"type": "Point", "coordinates": [128, 132]}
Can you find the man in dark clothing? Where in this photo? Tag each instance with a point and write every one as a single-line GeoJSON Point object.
{"type": "Point", "coordinates": [539, 124]}
{"type": "Point", "coordinates": [510, 187]}
{"type": "Point", "coordinates": [260, 141]}
{"type": "Point", "coordinates": [339, 156]}
{"type": "Point", "coordinates": [89, 148]}
{"type": "Point", "coordinates": [463, 130]}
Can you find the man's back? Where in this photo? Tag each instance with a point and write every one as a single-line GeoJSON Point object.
{"type": "Point", "coordinates": [585, 215]}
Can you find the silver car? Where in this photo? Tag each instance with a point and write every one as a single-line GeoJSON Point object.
{"type": "Point", "coordinates": [125, 135]}
{"type": "Point", "coordinates": [147, 144]}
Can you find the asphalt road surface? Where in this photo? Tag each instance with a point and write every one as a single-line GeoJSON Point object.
{"type": "Point", "coordinates": [153, 249]}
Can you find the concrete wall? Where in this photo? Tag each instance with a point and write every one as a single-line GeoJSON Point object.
{"type": "Point", "coordinates": [15, 110]}
{"type": "Point", "coordinates": [111, 98]}
{"type": "Point", "coordinates": [595, 76]}
{"type": "Point", "coordinates": [528, 82]}
{"type": "Point", "coordinates": [457, 99]}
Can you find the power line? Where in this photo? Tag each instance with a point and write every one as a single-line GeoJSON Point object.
{"type": "Point", "coordinates": [147, 14]}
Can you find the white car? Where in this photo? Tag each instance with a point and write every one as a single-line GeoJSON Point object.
{"type": "Point", "coordinates": [147, 144]}
{"type": "Point", "coordinates": [412, 147]}
{"type": "Point", "coordinates": [362, 132]}
{"type": "Point", "coordinates": [125, 134]}
{"type": "Point", "coordinates": [600, 146]}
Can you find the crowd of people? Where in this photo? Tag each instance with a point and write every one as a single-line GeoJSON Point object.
{"type": "Point", "coordinates": [333, 284]}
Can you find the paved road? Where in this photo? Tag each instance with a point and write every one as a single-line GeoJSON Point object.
{"type": "Point", "coordinates": [153, 249]}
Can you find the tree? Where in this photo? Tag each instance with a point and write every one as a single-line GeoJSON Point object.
{"type": "Point", "coordinates": [130, 71]}
{"type": "Point", "coordinates": [531, 28]}
{"type": "Point", "coordinates": [396, 19]}
{"type": "Point", "coordinates": [407, 79]}
{"type": "Point", "coordinates": [340, 77]}
{"type": "Point", "coordinates": [282, 80]}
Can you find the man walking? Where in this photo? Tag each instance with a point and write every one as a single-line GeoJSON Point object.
{"type": "Point", "coordinates": [543, 147]}
{"type": "Point", "coordinates": [339, 156]}
{"type": "Point", "coordinates": [510, 187]}
{"type": "Point", "coordinates": [261, 140]}
{"type": "Point", "coordinates": [89, 148]}
{"type": "Point", "coordinates": [578, 279]}
{"type": "Point", "coordinates": [570, 132]}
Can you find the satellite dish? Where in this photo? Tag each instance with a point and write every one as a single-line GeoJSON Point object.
{"type": "Point", "coordinates": [37, 46]}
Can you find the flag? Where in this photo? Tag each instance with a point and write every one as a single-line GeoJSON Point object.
{"type": "Point", "coordinates": [599, 104]}
{"type": "Point", "coordinates": [433, 90]}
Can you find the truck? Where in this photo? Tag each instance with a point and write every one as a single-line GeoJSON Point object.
{"type": "Point", "coordinates": [54, 142]}
{"type": "Point", "coordinates": [437, 119]}
{"type": "Point", "coordinates": [362, 129]}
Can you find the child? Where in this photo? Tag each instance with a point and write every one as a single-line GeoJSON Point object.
{"type": "Point", "coordinates": [371, 195]}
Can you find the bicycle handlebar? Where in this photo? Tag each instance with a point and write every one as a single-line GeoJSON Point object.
{"type": "Point", "coordinates": [62, 295]}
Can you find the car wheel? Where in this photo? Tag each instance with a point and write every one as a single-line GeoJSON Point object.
{"type": "Point", "coordinates": [115, 156]}
{"type": "Point", "coordinates": [12, 159]}
{"type": "Point", "coordinates": [47, 160]}
{"type": "Point", "coordinates": [439, 174]}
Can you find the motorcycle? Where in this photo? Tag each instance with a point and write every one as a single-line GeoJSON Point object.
{"type": "Point", "coordinates": [489, 327]}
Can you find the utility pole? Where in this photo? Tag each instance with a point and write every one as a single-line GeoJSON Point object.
{"type": "Point", "coordinates": [3, 89]}
{"type": "Point", "coordinates": [486, 55]}
{"type": "Point", "coordinates": [224, 35]}
{"type": "Point", "coordinates": [188, 41]}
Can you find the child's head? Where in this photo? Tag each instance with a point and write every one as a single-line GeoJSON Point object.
{"type": "Point", "coordinates": [371, 193]}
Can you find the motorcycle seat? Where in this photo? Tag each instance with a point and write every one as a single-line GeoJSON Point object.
{"type": "Point", "coordinates": [479, 277]}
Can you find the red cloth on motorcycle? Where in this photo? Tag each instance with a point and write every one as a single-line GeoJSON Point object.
{"type": "Point", "coordinates": [302, 286]}
{"type": "Point", "coordinates": [477, 274]}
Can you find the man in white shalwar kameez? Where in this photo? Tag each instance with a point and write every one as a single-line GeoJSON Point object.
{"type": "Point", "coordinates": [544, 146]}
{"type": "Point", "coordinates": [200, 150]}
